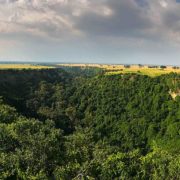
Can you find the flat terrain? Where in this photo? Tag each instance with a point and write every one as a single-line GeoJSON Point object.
{"type": "Point", "coordinates": [145, 71]}
{"type": "Point", "coordinates": [119, 69]}
{"type": "Point", "coordinates": [111, 69]}
{"type": "Point", "coordinates": [23, 66]}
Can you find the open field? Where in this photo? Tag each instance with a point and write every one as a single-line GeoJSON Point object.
{"type": "Point", "coordinates": [111, 69]}
{"type": "Point", "coordinates": [119, 69]}
{"type": "Point", "coordinates": [23, 66]}
{"type": "Point", "coordinates": [145, 71]}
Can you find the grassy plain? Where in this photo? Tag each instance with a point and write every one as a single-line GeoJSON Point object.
{"type": "Point", "coordinates": [121, 69]}
{"type": "Point", "coordinates": [144, 71]}
{"type": "Point", "coordinates": [23, 66]}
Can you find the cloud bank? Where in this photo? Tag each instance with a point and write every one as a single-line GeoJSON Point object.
{"type": "Point", "coordinates": [123, 24]}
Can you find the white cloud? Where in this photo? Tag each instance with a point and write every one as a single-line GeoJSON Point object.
{"type": "Point", "coordinates": [164, 4]}
{"type": "Point", "coordinates": [36, 17]}
{"type": "Point", "coordinates": [157, 20]}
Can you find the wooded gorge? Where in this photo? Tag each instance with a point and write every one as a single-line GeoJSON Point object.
{"type": "Point", "coordinates": [74, 123]}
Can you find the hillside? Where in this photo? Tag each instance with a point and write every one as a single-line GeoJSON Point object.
{"type": "Point", "coordinates": [79, 123]}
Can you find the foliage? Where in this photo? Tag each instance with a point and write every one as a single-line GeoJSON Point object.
{"type": "Point", "coordinates": [59, 125]}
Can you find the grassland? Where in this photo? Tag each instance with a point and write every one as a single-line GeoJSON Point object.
{"type": "Point", "coordinates": [23, 66]}
{"type": "Point", "coordinates": [121, 69]}
{"type": "Point", "coordinates": [110, 69]}
{"type": "Point", "coordinates": [144, 71]}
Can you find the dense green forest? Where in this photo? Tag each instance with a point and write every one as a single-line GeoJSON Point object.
{"type": "Point", "coordinates": [82, 124]}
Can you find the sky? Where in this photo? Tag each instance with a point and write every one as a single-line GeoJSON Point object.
{"type": "Point", "coordinates": [90, 31]}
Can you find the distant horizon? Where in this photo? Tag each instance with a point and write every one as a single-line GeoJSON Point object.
{"type": "Point", "coordinates": [69, 62]}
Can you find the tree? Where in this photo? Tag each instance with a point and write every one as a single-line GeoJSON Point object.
{"type": "Point", "coordinates": [29, 149]}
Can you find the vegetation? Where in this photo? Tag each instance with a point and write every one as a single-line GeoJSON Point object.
{"type": "Point", "coordinates": [153, 72]}
{"type": "Point", "coordinates": [83, 124]}
{"type": "Point", "coordinates": [23, 66]}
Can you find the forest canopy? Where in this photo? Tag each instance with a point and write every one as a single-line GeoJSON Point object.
{"type": "Point", "coordinates": [74, 123]}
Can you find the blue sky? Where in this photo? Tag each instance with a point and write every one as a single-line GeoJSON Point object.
{"type": "Point", "coordinates": [90, 31]}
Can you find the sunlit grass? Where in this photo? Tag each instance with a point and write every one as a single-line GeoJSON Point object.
{"type": "Point", "coordinates": [23, 66]}
{"type": "Point", "coordinates": [120, 69]}
{"type": "Point", "coordinates": [144, 71]}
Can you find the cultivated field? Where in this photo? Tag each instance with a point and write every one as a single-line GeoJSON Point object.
{"type": "Point", "coordinates": [23, 66]}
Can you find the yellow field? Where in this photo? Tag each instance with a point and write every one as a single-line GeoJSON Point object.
{"type": "Point", "coordinates": [119, 69]}
{"type": "Point", "coordinates": [145, 71]}
{"type": "Point", "coordinates": [23, 66]}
